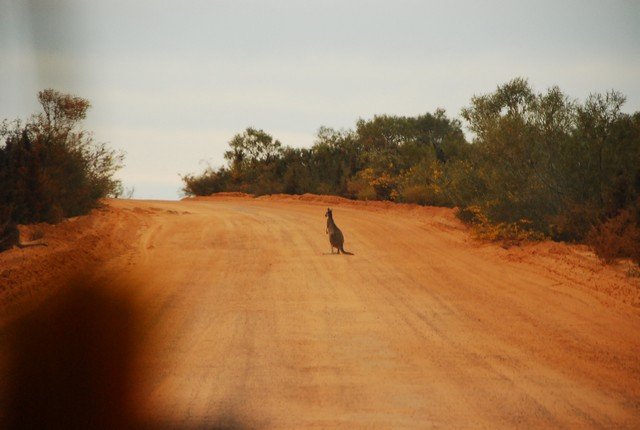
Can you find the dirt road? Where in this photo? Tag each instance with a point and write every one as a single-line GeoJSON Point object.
{"type": "Point", "coordinates": [249, 318]}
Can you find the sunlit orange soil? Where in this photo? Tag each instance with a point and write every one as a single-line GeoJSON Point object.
{"type": "Point", "coordinates": [246, 315]}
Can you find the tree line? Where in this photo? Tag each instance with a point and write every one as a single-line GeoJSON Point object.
{"type": "Point", "coordinates": [538, 165]}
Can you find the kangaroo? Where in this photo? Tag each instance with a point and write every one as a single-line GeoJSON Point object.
{"type": "Point", "coordinates": [336, 239]}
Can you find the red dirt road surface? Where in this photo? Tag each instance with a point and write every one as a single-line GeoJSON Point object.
{"type": "Point", "coordinates": [247, 319]}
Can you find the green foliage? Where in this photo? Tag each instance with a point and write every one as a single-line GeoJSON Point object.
{"type": "Point", "coordinates": [540, 164]}
{"type": "Point", "coordinates": [361, 185]}
{"type": "Point", "coordinates": [425, 183]}
{"type": "Point", "coordinates": [510, 233]}
{"type": "Point", "coordinates": [373, 162]}
{"type": "Point", "coordinates": [252, 148]}
{"type": "Point", "coordinates": [546, 159]}
{"type": "Point", "coordinates": [209, 182]}
{"type": "Point", "coordinates": [295, 164]}
{"type": "Point", "coordinates": [336, 156]}
{"type": "Point", "coordinates": [394, 144]}
{"type": "Point", "coordinates": [50, 168]}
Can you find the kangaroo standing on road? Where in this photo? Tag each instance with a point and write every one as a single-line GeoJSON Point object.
{"type": "Point", "coordinates": [336, 239]}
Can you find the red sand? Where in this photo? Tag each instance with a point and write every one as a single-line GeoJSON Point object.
{"type": "Point", "coordinates": [424, 326]}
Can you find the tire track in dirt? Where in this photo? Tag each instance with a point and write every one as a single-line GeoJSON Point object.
{"type": "Point", "coordinates": [250, 319]}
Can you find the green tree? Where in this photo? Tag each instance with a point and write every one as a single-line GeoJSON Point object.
{"type": "Point", "coordinates": [393, 146]}
{"type": "Point", "coordinates": [335, 156]}
{"type": "Point", "coordinates": [251, 147]}
{"type": "Point", "coordinates": [50, 167]}
{"type": "Point", "coordinates": [544, 159]}
{"type": "Point", "coordinates": [297, 176]}
{"type": "Point", "coordinates": [208, 182]}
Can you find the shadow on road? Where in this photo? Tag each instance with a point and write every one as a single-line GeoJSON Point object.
{"type": "Point", "coordinates": [71, 365]}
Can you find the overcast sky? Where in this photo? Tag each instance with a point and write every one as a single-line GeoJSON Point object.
{"type": "Point", "coordinates": [171, 82]}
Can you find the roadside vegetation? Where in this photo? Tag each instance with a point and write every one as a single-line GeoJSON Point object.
{"type": "Point", "coordinates": [539, 165]}
{"type": "Point", "coordinates": [50, 167]}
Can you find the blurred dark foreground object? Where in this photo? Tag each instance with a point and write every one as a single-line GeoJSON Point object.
{"type": "Point", "coordinates": [70, 362]}
{"type": "Point", "coordinates": [71, 365]}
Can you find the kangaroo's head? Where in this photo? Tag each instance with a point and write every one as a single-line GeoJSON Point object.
{"type": "Point", "coordinates": [328, 214]}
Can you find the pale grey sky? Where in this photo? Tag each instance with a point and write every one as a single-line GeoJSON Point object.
{"type": "Point", "coordinates": [172, 81]}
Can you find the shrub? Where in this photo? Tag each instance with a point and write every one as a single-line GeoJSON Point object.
{"type": "Point", "coordinates": [424, 184]}
{"type": "Point", "coordinates": [361, 186]}
{"type": "Point", "coordinates": [50, 168]}
{"type": "Point", "coordinates": [617, 237]}
{"type": "Point", "coordinates": [574, 223]}
{"type": "Point", "coordinates": [510, 233]}
{"type": "Point", "coordinates": [209, 182]}
{"type": "Point", "coordinates": [296, 179]}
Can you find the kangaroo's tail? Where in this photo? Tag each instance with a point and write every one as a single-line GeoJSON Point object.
{"type": "Point", "coordinates": [345, 252]}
